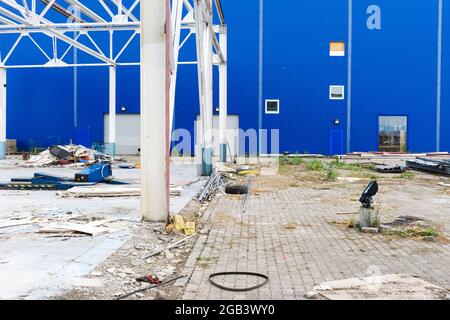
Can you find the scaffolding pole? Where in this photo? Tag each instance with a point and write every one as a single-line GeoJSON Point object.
{"type": "Point", "coordinates": [205, 83]}
{"type": "Point", "coordinates": [154, 111]}
{"type": "Point", "coordinates": [223, 95]}
{"type": "Point", "coordinates": [112, 111]}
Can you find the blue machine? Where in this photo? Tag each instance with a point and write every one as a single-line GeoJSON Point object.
{"type": "Point", "coordinates": [97, 173]}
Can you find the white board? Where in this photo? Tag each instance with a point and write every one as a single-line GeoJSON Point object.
{"type": "Point", "coordinates": [128, 133]}
{"type": "Point", "coordinates": [232, 134]}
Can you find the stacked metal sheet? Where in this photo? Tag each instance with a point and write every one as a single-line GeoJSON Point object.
{"type": "Point", "coordinates": [441, 166]}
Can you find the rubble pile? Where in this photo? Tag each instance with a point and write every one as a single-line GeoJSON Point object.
{"type": "Point", "coordinates": [65, 156]}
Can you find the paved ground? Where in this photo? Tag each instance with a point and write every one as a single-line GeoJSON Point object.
{"type": "Point", "coordinates": [290, 234]}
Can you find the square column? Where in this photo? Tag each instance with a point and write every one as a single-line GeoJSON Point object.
{"type": "Point", "coordinates": [154, 111]}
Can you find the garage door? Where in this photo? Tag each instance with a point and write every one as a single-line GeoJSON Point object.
{"type": "Point", "coordinates": [128, 133]}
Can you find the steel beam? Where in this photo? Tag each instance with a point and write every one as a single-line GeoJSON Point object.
{"type": "Point", "coordinates": [2, 113]}
{"type": "Point", "coordinates": [223, 96]}
{"type": "Point", "coordinates": [154, 112]}
{"type": "Point", "coordinates": [112, 111]}
{"type": "Point", "coordinates": [177, 12]}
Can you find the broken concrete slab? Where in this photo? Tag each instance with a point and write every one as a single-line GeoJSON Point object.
{"type": "Point", "coordinates": [382, 287]}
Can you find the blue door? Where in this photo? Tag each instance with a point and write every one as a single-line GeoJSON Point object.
{"type": "Point", "coordinates": [336, 142]}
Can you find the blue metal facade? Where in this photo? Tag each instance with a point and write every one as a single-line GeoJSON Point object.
{"type": "Point", "coordinates": [394, 71]}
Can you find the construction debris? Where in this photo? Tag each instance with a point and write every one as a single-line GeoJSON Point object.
{"type": "Point", "coordinates": [214, 184]}
{"type": "Point", "coordinates": [187, 227]}
{"type": "Point", "coordinates": [430, 165]}
{"type": "Point", "coordinates": [379, 287]}
{"type": "Point", "coordinates": [96, 173]}
{"type": "Point", "coordinates": [65, 156]}
{"type": "Point", "coordinates": [172, 246]}
{"type": "Point", "coordinates": [108, 192]}
{"type": "Point", "coordinates": [88, 229]}
{"type": "Point", "coordinates": [178, 222]}
{"type": "Point", "coordinates": [16, 223]}
{"type": "Point", "coordinates": [11, 147]}
{"type": "Point", "coordinates": [244, 204]}
{"type": "Point", "coordinates": [391, 155]}
{"type": "Point", "coordinates": [390, 169]}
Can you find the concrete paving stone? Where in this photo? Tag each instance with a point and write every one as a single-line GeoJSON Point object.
{"type": "Point", "coordinates": [296, 261]}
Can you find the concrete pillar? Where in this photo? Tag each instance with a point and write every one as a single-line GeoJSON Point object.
{"type": "Point", "coordinates": [154, 112]}
{"type": "Point", "coordinates": [2, 113]}
{"type": "Point", "coordinates": [112, 111]}
{"type": "Point", "coordinates": [207, 149]}
{"type": "Point", "coordinates": [223, 92]}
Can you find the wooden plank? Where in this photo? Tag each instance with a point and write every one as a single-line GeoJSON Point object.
{"type": "Point", "coordinates": [83, 192]}
{"type": "Point", "coordinates": [16, 223]}
{"type": "Point", "coordinates": [88, 229]}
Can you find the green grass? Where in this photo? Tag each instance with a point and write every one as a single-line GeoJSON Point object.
{"type": "Point", "coordinates": [415, 232]}
{"type": "Point", "coordinates": [291, 161]}
{"type": "Point", "coordinates": [336, 163]}
{"type": "Point", "coordinates": [406, 175]}
{"type": "Point", "coordinates": [332, 174]}
{"type": "Point", "coordinates": [315, 165]}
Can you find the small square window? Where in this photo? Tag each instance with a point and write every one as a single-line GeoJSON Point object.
{"type": "Point", "coordinates": [337, 92]}
{"type": "Point", "coordinates": [272, 106]}
{"type": "Point", "coordinates": [337, 49]}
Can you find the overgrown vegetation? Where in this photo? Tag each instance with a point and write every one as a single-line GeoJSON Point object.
{"type": "Point", "coordinates": [328, 170]}
{"type": "Point", "coordinates": [332, 174]}
{"type": "Point", "coordinates": [415, 232]}
{"type": "Point", "coordinates": [405, 175]}
{"type": "Point", "coordinates": [315, 165]}
{"type": "Point", "coordinates": [291, 161]}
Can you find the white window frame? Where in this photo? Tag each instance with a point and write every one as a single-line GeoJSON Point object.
{"type": "Point", "coordinates": [273, 100]}
{"type": "Point", "coordinates": [343, 92]}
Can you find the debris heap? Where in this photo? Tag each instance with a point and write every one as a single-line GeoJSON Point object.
{"type": "Point", "coordinates": [65, 156]}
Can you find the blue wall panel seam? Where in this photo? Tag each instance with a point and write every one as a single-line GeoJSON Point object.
{"type": "Point", "coordinates": [260, 71]}
{"type": "Point", "coordinates": [439, 81]}
{"type": "Point", "coordinates": [349, 75]}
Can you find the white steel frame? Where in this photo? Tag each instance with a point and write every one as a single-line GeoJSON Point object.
{"type": "Point", "coordinates": [25, 18]}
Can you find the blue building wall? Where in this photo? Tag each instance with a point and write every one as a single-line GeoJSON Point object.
{"type": "Point", "coordinates": [445, 112]}
{"type": "Point", "coordinates": [298, 71]}
{"type": "Point", "coordinates": [394, 72]}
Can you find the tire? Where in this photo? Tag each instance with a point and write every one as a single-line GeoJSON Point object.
{"type": "Point", "coordinates": [236, 189]}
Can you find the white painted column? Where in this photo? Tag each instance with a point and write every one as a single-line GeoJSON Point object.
{"type": "Point", "coordinates": [176, 17]}
{"type": "Point", "coordinates": [223, 92]}
{"type": "Point", "coordinates": [2, 113]}
{"type": "Point", "coordinates": [154, 112]}
{"type": "Point", "coordinates": [208, 116]}
{"type": "Point", "coordinates": [112, 110]}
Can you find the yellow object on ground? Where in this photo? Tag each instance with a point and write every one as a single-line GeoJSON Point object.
{"type": "Point", "coordinates": [189, 228]}
{"type": "Point", "coordinates": [178, 222]}
{"type": "Point", "coordinates": [249, 172]}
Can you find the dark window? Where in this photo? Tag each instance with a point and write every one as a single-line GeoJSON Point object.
{"type": "Point", "coordinates": [273, 106]}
